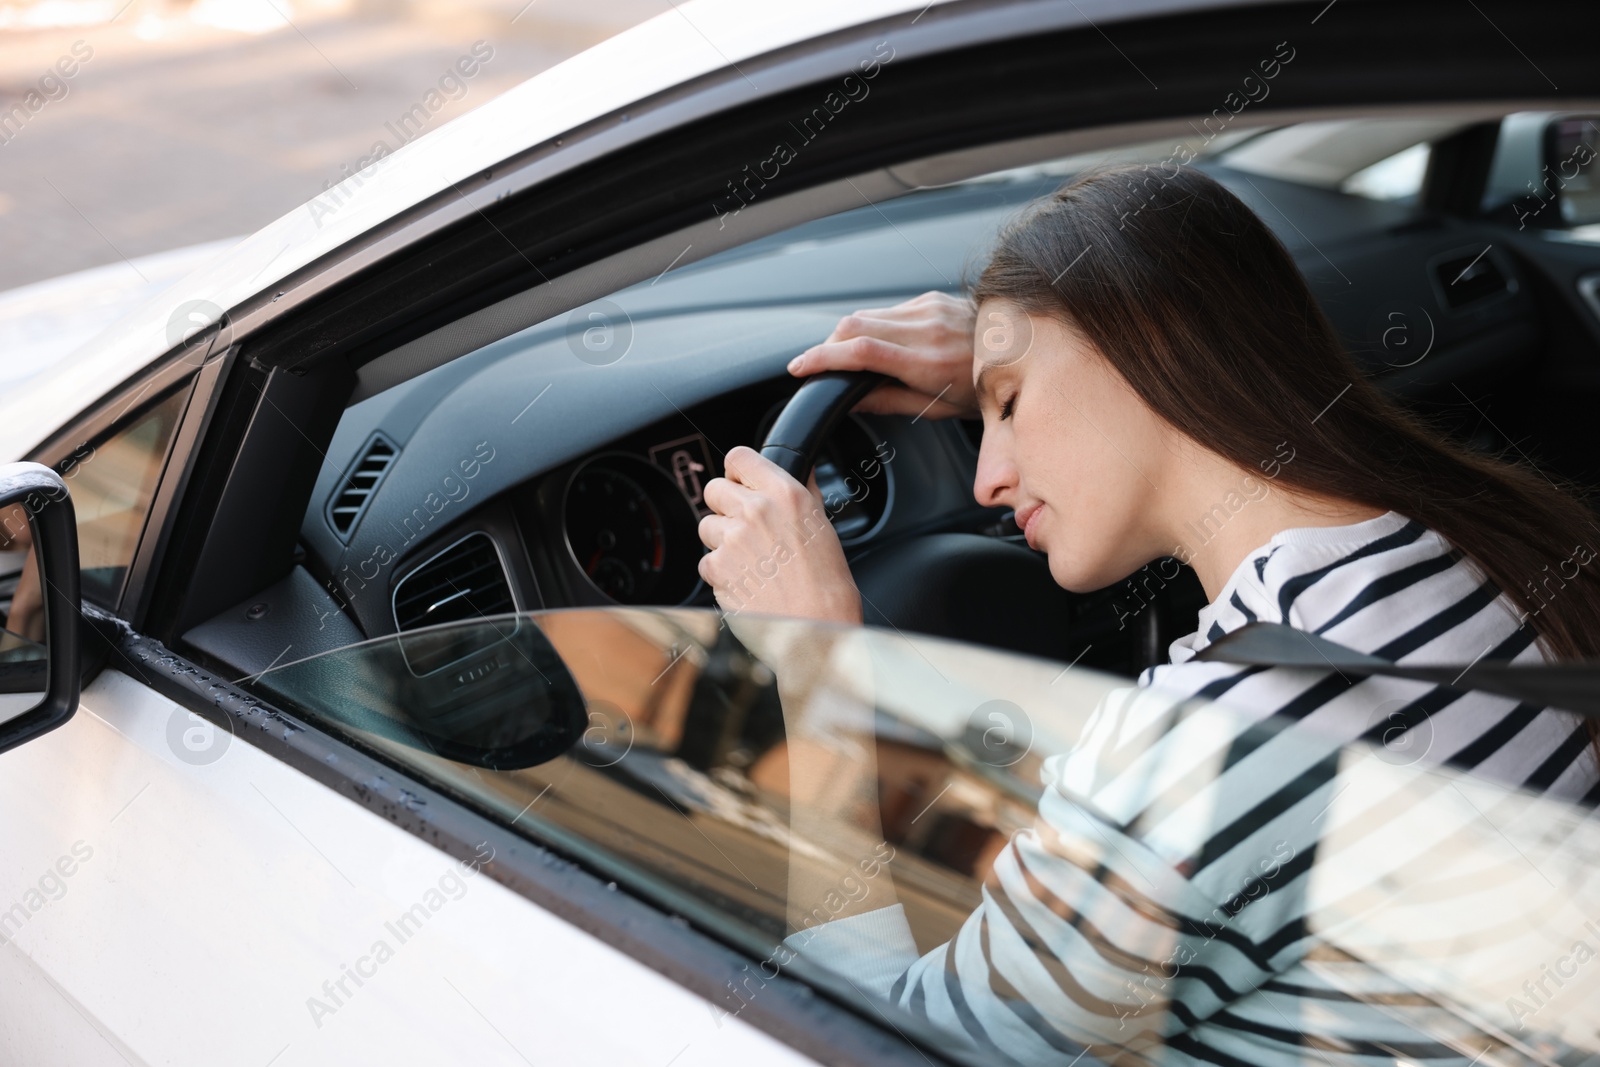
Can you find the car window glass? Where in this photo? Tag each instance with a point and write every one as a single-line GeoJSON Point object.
{"type": "Point", "coordinates": [113, 484]}
{"type": "Point", "coordinates": [1378, 158]}
{"type": "Point", "coordinates": [1163, 150]}
{"type": "Point", "coordinates": [1397, 178]}
{"type": "Point", "coordinates": [870, 809]}
{"type": "Point", "coordinates": [1515, 170]}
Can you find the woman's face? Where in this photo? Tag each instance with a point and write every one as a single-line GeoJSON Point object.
{"type": "Point", "coordinates": [1070, 446]}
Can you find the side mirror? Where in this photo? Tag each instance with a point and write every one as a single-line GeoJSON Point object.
{"type": "Point", "coordinates": [39, 646]}
{"type": "Point", "coordinates": [1570, 178]}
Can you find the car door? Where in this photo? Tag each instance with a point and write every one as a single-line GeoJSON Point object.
{"type": "Point", "coordinates": [232, 866]}
{"type": "Point", "coordinates": [176, 893]}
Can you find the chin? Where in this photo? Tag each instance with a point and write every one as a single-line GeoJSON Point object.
{"type": "Point", "coordinates": [1074, 577]}
{"type": "Point", "coordinates": [1080, 568]}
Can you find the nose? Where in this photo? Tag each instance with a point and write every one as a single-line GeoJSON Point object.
{"type": "Point", "coordinates": [996, 481]}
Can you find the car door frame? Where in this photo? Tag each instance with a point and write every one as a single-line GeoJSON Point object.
{"type": "Point", "coordinates": [248, 444]}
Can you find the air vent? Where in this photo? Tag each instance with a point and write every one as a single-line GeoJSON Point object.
{"type": "Point", "coordinates": [359, 485]}
{"type": "Point", "coordinates": [1467, 279]}
{"type": "Point", "coordinates": [464, 582]}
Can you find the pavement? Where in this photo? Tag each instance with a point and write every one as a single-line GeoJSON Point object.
{"type": "Point", "coordinates": [159, 124]}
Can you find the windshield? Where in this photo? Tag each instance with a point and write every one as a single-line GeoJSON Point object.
{"type": "Point", "coordinates": [922, 827]}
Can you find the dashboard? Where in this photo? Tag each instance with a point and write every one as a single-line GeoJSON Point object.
{"type": "Point", "coordinates": [620, 525]}
{"type": "Point", "coordinates": [448, 513]}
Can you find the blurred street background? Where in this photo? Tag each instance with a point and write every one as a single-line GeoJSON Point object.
{"type": "Point", "coordinates": [190, 121]}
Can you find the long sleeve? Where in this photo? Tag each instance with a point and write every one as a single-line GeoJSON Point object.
{"type": "Point", "coordinates": [874, 949]}
{"type": "Point", "coordinates": [1087, 935]}
{"type": "Point", "coordinates": [1250, 866]}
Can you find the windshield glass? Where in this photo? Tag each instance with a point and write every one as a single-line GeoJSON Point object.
{"type": "Point", "coordinates": [1013, 854]}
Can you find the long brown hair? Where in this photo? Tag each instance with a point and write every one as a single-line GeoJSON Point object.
{"type": "Point", "coordinates": [1199, 306]}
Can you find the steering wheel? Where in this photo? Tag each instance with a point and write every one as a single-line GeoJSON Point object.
{"type": "Point", "coordinates": [810, 415]}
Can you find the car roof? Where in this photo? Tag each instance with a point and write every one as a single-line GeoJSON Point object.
{"type": "Point", "coordinates": [693, 39]}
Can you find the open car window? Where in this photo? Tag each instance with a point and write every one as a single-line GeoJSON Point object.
{"type": "Point", "coordinates": [1019, 860]}
{"type": "Point", "coordinates": [923, 827]}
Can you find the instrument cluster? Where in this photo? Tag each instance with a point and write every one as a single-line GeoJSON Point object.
{"type": "Point", "coordinates": [627, 517]}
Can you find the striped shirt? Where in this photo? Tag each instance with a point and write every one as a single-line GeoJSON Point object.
{"type": "Point", "coordinates": [1210, 881]}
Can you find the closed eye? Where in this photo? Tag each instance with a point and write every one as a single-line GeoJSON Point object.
{"type": "Point", "coordinates": [1007, 407]}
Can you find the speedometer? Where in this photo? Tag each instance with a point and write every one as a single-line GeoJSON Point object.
{"type": "Point", "coordinates": [616, 533]}
{"type": "Point", "coordinates": [631, 531]}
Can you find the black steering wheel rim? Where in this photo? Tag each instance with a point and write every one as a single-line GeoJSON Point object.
{"type": "Point", "coordinates": [806, 420]}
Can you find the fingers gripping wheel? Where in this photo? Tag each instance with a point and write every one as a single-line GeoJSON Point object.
{"type": "Point", "coordinates": [804, 423]}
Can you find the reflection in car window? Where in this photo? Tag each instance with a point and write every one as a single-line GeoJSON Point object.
{"type": "Point", "coordinates": [113, 484]}
{"type": "Point", "coordinates": [899, 819]}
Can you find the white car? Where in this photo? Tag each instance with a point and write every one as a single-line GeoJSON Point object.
{"type": "Point", "coordinates": [376, 713]}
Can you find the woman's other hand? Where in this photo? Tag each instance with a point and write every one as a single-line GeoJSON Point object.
{"type": "Point", "coordinates": [773, 551]}
{"type": "Point", "coordinates": [925, 343]}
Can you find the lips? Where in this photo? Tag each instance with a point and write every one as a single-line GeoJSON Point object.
{"type": "Point", "coordinates": [1028, 519]}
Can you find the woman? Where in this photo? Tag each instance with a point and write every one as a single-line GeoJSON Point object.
{"type": "Point", "coordinates": [1142, 348]}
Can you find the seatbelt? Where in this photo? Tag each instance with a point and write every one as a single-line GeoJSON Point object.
{"type": "Point", "coordinates": [1568, 686]}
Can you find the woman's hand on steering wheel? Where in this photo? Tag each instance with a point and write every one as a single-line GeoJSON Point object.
{"type": "Point", "coordinates": [925, 343]}
{"type": "Point", "coordinates": [773, 550]}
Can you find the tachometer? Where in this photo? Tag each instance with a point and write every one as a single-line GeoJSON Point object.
{"type": "Point", "coordinates": [631, 531]}
{"type": "Point", "coordinates": [853, 472]}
